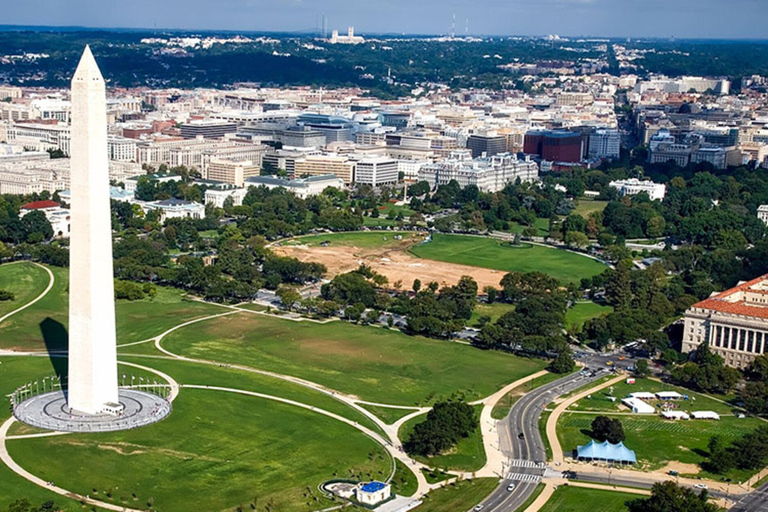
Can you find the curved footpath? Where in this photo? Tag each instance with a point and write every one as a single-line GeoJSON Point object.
{"type": "Point", "coordinates": [51, 281]}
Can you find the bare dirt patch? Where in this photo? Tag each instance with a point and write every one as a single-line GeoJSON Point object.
{"type": "Point", "coordinates": [681, 468]}
{"type": "Point", "coordinates": [395, 264]}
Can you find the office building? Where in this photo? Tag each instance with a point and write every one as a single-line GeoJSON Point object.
{"type": "Point", "coordinates": [207, 128]}
{"type": "Point", "coordinates": [555, 146]}
{"type": "Point", "coordinates": [376, 171]}
{"type": "Point", "coordinates": [228, 171]}
{"type": "Point", "coordinates": [486, 145]}
{"type": "Point", "coordinates": [319, 165]}
{"type": "Point", "coordinates": [605, 144]}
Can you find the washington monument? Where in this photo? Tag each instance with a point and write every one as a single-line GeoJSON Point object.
{"type": "Point", "coordinates": [92, 340]}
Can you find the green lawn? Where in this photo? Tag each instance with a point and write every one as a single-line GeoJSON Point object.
{"type": "Point", "coordinates": [490, 253]}
{"type": "Point", "coordinates": [494, 311]}
{"type": "Point", "coordinates": [600, 402]}
{"type": "Point", "coordinates": [459, 496]}
{"type": "Point", "coordinates": [657, 441]}
{"type": "Point", "coordinates": [578, 499]}
{"type": "Point", "coordinates": [216, 451]}
{"type": "Point", "coordinates": [578, 315]}
{"type": "Point", "coordinates": [388, 414]}
{"type": "Point", "coordinates": [467, 455]}
{"type": "Point", "coordinates": [361, 239]}
{"type": "Point", "coordinates": [25, 280]}
{"type": "Point", "coordinates": [586, 206]}
{"type": "Point", "coordinates": [541, 224]}
{"type": "Point", "coordinates": [501, 409]}
{"type": "Point", "coordinates": [404, 482]}
{"type": "Point", "coordinates": [44, 323]}
{"type": "Point", "coordinates": [378, 365]}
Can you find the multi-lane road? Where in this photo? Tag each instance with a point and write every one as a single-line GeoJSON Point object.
{"type": "Point", "coordinates": [521, 440]}
{"type": "Point", "coordinates": [523, 446]}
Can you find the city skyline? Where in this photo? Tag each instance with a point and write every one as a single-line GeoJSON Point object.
{"type": "Point", "coordinates": [596, 18]}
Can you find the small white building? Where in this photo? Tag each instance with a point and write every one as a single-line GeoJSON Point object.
{"type": "Point", "coordinates": [634, 186]}
{"type": "Point", "coordinates": [675, 415]}
{"type": "Point", "coordinates": [762, 213]}
{"type": "Point", "coordinates": [373, 493]}
{"type": "Point", "coordinates": [638, 406]}
{"type": "Point", "coordinates": [705, 415]}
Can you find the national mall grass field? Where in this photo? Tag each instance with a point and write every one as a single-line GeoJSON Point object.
{"type": "Point", "coordinates": [375, 364]}
{"type": "Point", "coordinates": [477, 251]}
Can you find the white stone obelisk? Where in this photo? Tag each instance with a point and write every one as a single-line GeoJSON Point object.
{"type": "Point", "coordinates": [92, 340]}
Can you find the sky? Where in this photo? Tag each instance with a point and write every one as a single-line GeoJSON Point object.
{"type": "Point", "coordinates": [612, 18]}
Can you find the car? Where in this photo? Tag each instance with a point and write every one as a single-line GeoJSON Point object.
{"type": "Point", "coordinates": [609, 363]}
{"type": "Point", "coordinates": [479, 507]}
{"type": "Point", "coordinates": [700, 486]}
{"type": "Point", "coordinates": [510, 487]}
{"type": "Point", "coordinates": [521, 435]}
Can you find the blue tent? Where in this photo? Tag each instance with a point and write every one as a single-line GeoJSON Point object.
{"type": "Point", "coordinates": [606, 451]}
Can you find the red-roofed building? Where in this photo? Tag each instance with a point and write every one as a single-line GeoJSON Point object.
{"type": "Point", "coordinates": [56, 215]}
{"type": "Point", "coordinates": [734, 323]}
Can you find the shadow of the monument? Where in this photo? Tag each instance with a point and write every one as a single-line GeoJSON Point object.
{"type": "Point", "coordinates": [56, 343]}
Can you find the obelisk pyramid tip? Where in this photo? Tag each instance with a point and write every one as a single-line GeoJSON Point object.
{"type": "Point", "coordinates": [87, 67]}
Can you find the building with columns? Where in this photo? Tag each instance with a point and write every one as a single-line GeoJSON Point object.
{"type": "Point", "coordinates": [734, 323]}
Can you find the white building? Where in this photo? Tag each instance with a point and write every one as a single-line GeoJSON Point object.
{"type": "Point", "coordinates": [605, 144]}
{"type": "Point", "coordinates": [634, 186]}
{"type": "Point", "coordinates": [638, 406]}
{"type": "Point", "coordinates": [350, 38]}
{"type": "Point", "coordinates": [303, 188]}
{"type": "Point", "coordinates": [376, 171]}
{"type": "Point", "coordinates": [489, 174]}
{"type": "Point", "coordinates": [121, 149]}
{"type": "Point", "coordinates": [410, 168]}
{"type": "Point", "coordinates": [373, 493]}
{"type": "Point", "coordinates": [762, 213]}
{"type": "Point", "coordinates": [174, 209]}
{"type": "Point", "coordinates": [734, 323]}
{"type": "Point", "coordinates": [58, 217]}
{"type": "Point", "coordinates": [217, 197]}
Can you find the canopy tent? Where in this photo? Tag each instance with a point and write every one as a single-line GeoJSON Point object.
{"type": "Point", "coordinates": [642, 395]}
{"type": "Point", "coordinates": [638, 406]}
{"type": "Point", "coordinates": [606, 451]}
{"type": "Point", "coordinates": [669, 395]}
{"type": "Point", "coordinates": [675, 415]}
{"type": "Point", "coordinates": [705, 415]}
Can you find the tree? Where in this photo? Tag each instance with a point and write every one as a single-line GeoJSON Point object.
{"type": "Point", "coordinates": [670, 497]}
{"type": "Point", "coordinates": [5, 295]}
{"type": "Point", "coordinates": [607, 429]}
{"type": "Point", "coordinates": [758, 368]}
{"type": "Point", "coordinates": [576, 239]}
{"type": "Point", "coordinates": [444, 426]}
{"type": "Point", "coordinates": [641, 368]}
{"type": "Point", "coordinates": [562, 364]}
{"type": "Point", "coordinates": [416, 285]}
{"type": "Point", "coordinates": [289, 296]}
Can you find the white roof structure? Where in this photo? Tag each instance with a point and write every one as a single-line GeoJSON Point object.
{"type": "Point", "coordinates": [669, 395]}
{"type": "Point", "coordinates": [705, 415]}
{"type": "Point", "coordinates": [638, 406]}
{"type": "Point", "coordinates": [675, 415]}
{"type": "Point", "coordinates": [643, 395]}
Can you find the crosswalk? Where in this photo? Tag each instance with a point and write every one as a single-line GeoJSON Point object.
{"type": "Point", "coordinates": [523, 463]}
{"type": "Point", "coordinates": [522, 477]}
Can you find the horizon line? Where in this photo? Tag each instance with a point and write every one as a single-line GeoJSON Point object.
{"type": "Point", "coordinates": [306, 32]}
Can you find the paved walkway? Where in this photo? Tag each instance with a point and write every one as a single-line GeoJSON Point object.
{"type": "Point", "coordinates": [554, 442]}
{"type": "Point", "coordinates": [51, 281]}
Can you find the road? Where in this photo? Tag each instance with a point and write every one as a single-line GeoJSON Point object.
{"type": "Point", "coordinates": [527, 454]}
{"type": "Point", "coordinates": [753, 502]}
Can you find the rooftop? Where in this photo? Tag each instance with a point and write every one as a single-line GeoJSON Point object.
{"type": "Point", "coordinates": [736, 300]}
{"type": "Point", "coordinates": [373, 486]}
{"type": "Point", "coordinates": [40, 205]}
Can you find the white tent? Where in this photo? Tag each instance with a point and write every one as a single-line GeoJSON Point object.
{"type": "Point", "coordinates": [705, 415]}
{"type": "Point", "coordinates": [669, 395]}
{"type": "Point", "coordinates": [643, 395]}
{"type": "Point", "coordinates": [638, 406]}
{"type": "Point", "coordinates": [675, 415]}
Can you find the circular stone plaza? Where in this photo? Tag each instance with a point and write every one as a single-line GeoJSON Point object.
{"type": "Point", "coordinates": [50, 411]}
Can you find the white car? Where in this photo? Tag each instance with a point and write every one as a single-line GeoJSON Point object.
{"type": "Point", "coordinates": [479, 507]}
{"type": "Point", "coordinates": [510, 487]}
{"type": "Point", "coordinates": [700, 486]}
